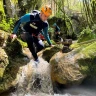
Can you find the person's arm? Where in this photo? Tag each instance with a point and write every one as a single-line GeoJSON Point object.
{"type": "Point", "coordinates": [25, 18]}
{"type": "Point", "coordinates": [46, 35]}
{"type": "Point", "coordinates": [57, 29]}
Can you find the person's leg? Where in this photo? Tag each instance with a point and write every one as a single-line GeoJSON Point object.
{"type": "Point", "coordinates": [39, 44]}
{"type": "Point", "coordinates": [30, 42]}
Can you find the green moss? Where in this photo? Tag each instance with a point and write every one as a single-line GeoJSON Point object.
{"type": "Point", "coordinates": [13, 49]}
{"type": "Point", "coordinates": [24, 44]}
{"type": "Point", "coordinates": [90, 50]}
{"type": "Point", "coordinates": [82, 44]}
{"type": "Point", "coordinates": [86, 34]}
{"type": "Point", "coordinates": [2, 88]}
{"type": "Point", "coordinates": [1, 72]}
{"type": "Point", "coordinates": [49, 52]}
{"type": "Point", "coordinates": [87, 49]}
{"type": "Point", "coordinates": [14, 1]}
{"type": "Point", "coordinates": [7, 25]}
{"type": "Point", "coordinates": [88, 66]}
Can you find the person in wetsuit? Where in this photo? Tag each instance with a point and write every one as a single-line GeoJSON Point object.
{"type": "Point", "coordinates": [56, 31]}
{"type": "Point", "coordinates": [35, 23]}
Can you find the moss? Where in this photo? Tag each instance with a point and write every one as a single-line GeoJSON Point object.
{"type": "Point", "coordinates": [87, 49]}
{"type": "Point", "coordinates": [90, 50]}
{"type": "Point", "coordinates": [13, 49]}
{"type": "Point", "coordinates": [24, 44]}
{"type": "Point", "coordinates": [49, 52]}
{"type": "Point", "coordinates": [2, 88]}
{"type": "Point", "coordinates": [88, 66]}
{"type": "Point", "coordinates": [86, 34]}
{"type": "Point", "coordinates": [1, 72]}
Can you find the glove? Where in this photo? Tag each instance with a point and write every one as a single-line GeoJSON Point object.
{"type": "Point", "coordinates": [52, 45]}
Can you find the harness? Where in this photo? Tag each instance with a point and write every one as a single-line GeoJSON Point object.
{"type": "Point", "coordinates": [35, 35]}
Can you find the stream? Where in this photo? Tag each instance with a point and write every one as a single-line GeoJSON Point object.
{"type": "Point", "coordinates": [37, 82]}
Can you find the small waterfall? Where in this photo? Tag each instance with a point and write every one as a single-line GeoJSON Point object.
{"type": "Point", "coordinates": [37, 82]}
{"type": "Point", "coordinates": [34, 81]}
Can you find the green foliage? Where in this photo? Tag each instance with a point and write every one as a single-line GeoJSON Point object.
{"type": "Point", "coordinates": [7, 25]}
{"type": "Point", "coordinates": [86, 34]}
{"type": "Point", "coordinates": [1, 8]}
{"type": "Point", "coordinates": [50, 29]}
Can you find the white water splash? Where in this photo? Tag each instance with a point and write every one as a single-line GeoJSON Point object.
{"type": "Point", "coordinates": [34, 81]}
{"type": "Point", "coordinates": [27, 86]}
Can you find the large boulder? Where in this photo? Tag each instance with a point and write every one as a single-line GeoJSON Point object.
{"type": "Point", "coordinates": [65, 69]}
{"type": "Point", "coordinates": [73, 67]}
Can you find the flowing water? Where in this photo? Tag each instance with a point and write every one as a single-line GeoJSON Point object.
{"type": "Point", "coordinates": [37, 82]}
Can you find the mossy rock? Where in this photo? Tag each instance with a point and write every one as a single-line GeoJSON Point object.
{"type": "Point", "coordinates": [11, 59]}
{"type": "Point", "coordinates": [10, 74]}
{"type": "Point", "coordinates": [2, 37]}
{"type": "Point", "coordinates": [80, 63]}
{"type": "Point", "coordinates": [88, 60]}
{"type": "Point", "coordinates": [50, 51]}
{"type": "Point", "coordinates": [14, 48]}
{"type": "Point", "coordinates": [3, 61]}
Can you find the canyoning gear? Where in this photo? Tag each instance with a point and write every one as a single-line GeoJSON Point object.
{"type": "Point", "coordinates": [46, 10]}
{"type": "Point", "coordinates": [41, 37]}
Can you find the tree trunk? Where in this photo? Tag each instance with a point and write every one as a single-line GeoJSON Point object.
{"type": "Point", "coordinates": [8, 8]}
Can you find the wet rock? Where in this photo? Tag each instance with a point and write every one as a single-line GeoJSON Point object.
{"type": "Point", "coordinates": [66, 49]}
{"type": "Point", "coordinates": [65, 69]}
{"type": "Point", "coordinates": [49, 52]}
{"type": "Point", "coordinates": [67, 42]}
{"type": "Point", "coordinates": [3, 61]}
{"type": "Point", "coordinates": [11, 59]}
{"type": "Point", "coordinates": [73, 67]}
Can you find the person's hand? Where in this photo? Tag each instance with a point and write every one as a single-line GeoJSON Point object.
{"type": "Point", "coordinates": [13, 36]}
{"type": "Point", "coordinates": [52, 45]}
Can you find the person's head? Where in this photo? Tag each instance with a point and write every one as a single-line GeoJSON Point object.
{"type": "Point", "coordinates": [45, 13]}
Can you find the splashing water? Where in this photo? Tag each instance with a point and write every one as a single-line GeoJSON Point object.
{"type": "Point", "coordinates": [37, 82]}
{"type": "Point", "coordinates": [34, 81]}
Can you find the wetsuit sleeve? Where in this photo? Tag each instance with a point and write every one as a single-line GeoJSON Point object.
{"type": "Point", "coordinates": [46, 35]}
{"type": "Point", "coordinates": [25, 18]}
{"type": "Point", "coordinates": [57, 29]}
